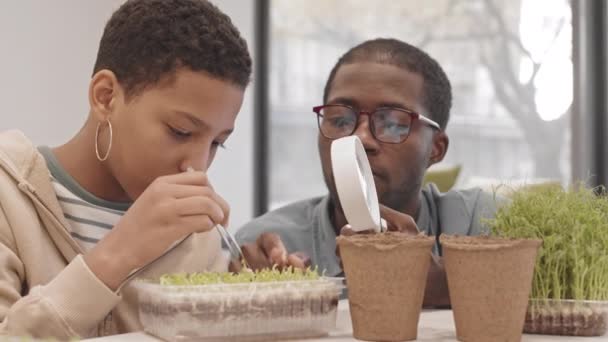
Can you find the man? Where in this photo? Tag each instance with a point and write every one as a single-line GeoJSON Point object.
{"type": "Point", "coordinates": [397, 100]}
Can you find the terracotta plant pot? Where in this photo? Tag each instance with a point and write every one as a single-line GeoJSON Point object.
{"type": "Point", "coordinates": [386, 277]}
{"type": "Point", "coordinates": [489, 281]}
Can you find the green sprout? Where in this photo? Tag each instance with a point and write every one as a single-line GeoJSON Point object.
{"type": "Point", "coordinates": [264, 275]}
{"type": "Point", "coordinates": [573, 261]}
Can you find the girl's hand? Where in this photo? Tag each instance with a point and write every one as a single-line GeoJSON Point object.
{"type": "Point", "coordinates": [170, 209]}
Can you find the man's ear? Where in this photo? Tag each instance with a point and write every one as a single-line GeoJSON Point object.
{"type": "Point", "coordinates": [104, 91]}
{"type": "Point", "coordinates": [439, 148]}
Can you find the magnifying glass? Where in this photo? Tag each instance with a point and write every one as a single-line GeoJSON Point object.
{"type": "Point", "coordinates": [355, 184]}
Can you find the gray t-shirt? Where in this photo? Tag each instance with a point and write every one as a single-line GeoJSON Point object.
{"type": "Point", "coordinates": [305, 226]}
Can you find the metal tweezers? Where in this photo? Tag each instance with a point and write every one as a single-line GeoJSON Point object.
{"type": "Point", "coordinates": [236, 254]}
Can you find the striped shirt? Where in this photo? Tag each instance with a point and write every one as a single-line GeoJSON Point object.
{"type": "Point", "coordinates": [90, 217]}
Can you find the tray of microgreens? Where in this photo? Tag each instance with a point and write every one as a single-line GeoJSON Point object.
{"type": "Point", "coordinates": [257, 305]}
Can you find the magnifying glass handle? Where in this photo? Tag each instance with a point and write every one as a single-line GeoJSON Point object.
{"type": "Point", "coordinates": [383, 225]}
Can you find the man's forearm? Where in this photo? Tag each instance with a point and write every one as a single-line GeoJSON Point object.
{"type": "Point", "coordinates": [436, 293]}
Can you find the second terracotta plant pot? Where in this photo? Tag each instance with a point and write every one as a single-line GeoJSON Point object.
{"type": "Point", "coordinates": [489, 280]}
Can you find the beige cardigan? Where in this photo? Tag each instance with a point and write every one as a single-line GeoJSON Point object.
{"type": "Point", "coordinates": [46, 289]}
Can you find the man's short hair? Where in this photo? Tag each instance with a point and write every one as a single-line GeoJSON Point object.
{"type": "Point", "coordinates": [437, 91]}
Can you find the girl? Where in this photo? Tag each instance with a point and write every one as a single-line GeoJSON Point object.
{"type": "Point", "coordinates": [77, 222]}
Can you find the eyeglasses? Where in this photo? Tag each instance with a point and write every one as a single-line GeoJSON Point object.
{"type": "Point", "coordinates": [387, 124]}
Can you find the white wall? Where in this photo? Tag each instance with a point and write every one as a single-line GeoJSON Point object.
{"type": "Point", "coordinates": [47, 52]}
{"type": "Point", "coordinates": [232, 171]}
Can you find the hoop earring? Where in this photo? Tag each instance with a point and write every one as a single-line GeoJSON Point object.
{"type": "Point", "coordinates": [97, 141]}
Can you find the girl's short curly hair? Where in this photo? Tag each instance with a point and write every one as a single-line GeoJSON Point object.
{"type": "Point", "coordinates": [146, 41]}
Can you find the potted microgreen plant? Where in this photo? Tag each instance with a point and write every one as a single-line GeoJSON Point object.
{"type": "Point", "coordinates": [570, 284]}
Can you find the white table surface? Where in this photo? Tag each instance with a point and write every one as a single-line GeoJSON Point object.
{"type": "Point", "coordinates": [434, 325]}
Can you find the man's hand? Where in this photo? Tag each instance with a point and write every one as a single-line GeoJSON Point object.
{"type": "Point", "coordinates": [396, 222]}
{"type": "Point", "coordinates": [268, 251]}
{"type": "Point", "coordinates": [436, 293]}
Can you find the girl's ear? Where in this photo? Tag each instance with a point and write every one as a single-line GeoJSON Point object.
{"type": "Point", "coordinates": [104, 91]}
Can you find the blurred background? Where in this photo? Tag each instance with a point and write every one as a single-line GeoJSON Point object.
{"type": "Point", "coordinates": [528, 77]}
